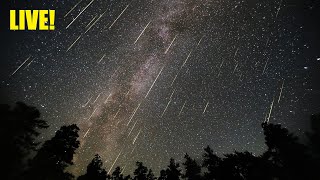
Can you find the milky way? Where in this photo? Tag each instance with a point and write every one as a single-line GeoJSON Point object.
{"type": "Point", "coordinates": [149, 80]}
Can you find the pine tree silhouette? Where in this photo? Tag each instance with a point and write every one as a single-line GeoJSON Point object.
{"type": "Point", "coordinates": [236, 166]}
{"type": "Point", "coordinates": [55, 155]}
{"type": "Point", "coordinates": [150, 175]}
{"type": "Point", "coordinates": [173, 172]}
{"type": "Point", "coordinates": [314, 144]}
{"type": "Point", "coordinates": [163, 175]}
{"type": "Point", "coordinates": [212, 162]}
{"type": "Point", "coordinates": [289, 157]}
{"type": "Point", "coordinates": [285, 159]}
{"type": "Point", "coordinates": [18, 131]}
{"type": "Point", "coordinates": [314, 136]}
{"type": "Point", "coordinates": [192, 169]}
{"type": "Point", "coordinates": [260, 168]}
{"type": "Point", "coordinates": [142, 173]}
{"type": "Point", "coordinates": [95, 170]}
{"type": "Point", "coordinates": [117, 175]}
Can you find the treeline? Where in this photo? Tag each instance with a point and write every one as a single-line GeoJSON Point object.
{"type": "Point", "coordinates": [285, 158]}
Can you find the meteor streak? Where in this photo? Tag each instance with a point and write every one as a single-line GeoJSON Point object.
{"type": "Point", "coordinates": [235, 68]}
{"type": "Point", "coordinates": [154, 82]}
{"type": "Point", "coordinates": [127, 93]}
{"type": "Point", "coordinates": [91, 20]}
{"type": "Point", "coordinates": [265, 118]}
{"type": "Point", "coordinates": [73, 43]}
{"type": "Point", "coordinates": [279, 9]}
{"type": "Point", "coordinates": [132, 128]}
{"type": "Point", "coordinates": [114, 162]}
{"type": "Point", "coordinates": [205, 108]}
{"type": "Point", "coordinates": [182, 107]}
{"type": "Point", "coordinates": [174, 79]}
{"type": "Point", "coordinates": [270, 111]}
{"type": "Point", "coordinates": [235, 54]}
{"type": "Point", "coordinates": [102, 58]}
{"type": "Point", "coordinates": [134, 112]}
{"type": "Point", "coordinates": [221, 63]}
{"type": "Point", "coordinates": [118, 16]}
{"type": "Point", "coordinates": [86, 132]}
{"type": "Point", "coordinates": [96, 98]}
{"type": "Point", "coordinates": [141, 33]}
{"type": "Point", "coordinates": [281, 91]}
{"type": "Point", "coordinates": [79, 14]}
{"type": "Point", "coordinates": [136, 137]}
{"type": "Point", "coordinates": [123, 169]}
{"type": "Point", "coordinates": [185, 61]}
{"type": "Point", "coordinates": [165, 108]}
{"type": "Point", "coordinates": [170, 44]}
{"type": "Point", "coordinates": [116, 114]}
{"type": "Point", "coordinates": [133, 149]}
{"type": "Point", "coordinates": [29, 63]}
{"type": "Point", "coordinates": [168, 102]}
{"type": "Point", "coordinates": [200, 41]}
{"type": "Point", "coordinates": [20, 66]}
{"type": "Point", "coordinates": [94, 22]}
{"type": "Point", "coordinates": [72, 8]}
{"type": "Point", "coordinates": [87, 102]}
{"type": "Point", "coordinates": [105, 101]}
{"type": "Point", "coordinates": [92, 113]}
{"type": "Point", "coordinates": [265, 66]}
{"type": "Point", "coordinates": [172, 93]}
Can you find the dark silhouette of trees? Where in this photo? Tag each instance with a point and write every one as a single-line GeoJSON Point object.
{"type": "Point", "coordinates": [237, 166]}
{"type": "Point", "coordinates": [163, 175]}
{"type": "Point", "coordinates": [285, 158]}
{"type": "Point", "coordinates": [117, 175]}
{"type": "Point", "coordinates": [142, 172]}
{"type": "Point", "coordinates": [55, 155]}
{"type": "Point", "coordinates": [212, 162]}
{"type": "Point", "coordinates": [95, 171]}
{"type": "Point", "coordinates": [150, 175]}
{"type": "Point", "coordinates": [18, 131]}
{"type": "Point", "coordinates": [173, 171]}
{"type": "Point", "coordinates": [289, 157]}
{"type": "Point", "coordinates": [192, 168]}
{"type": "Point", "coordinates": [314, 136]}
{"type": "Point", "coordinates": [314, 144]}
{"type": "Point", "coordinates": [260, 168]}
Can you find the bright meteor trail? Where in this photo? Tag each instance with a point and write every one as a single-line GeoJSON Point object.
{"type": "Point", "coordinates": [73, 43]}
{"type": "Point", "coordinates": [134, 140]}
{"type": "Point", "coordinates": [20, 66]}
{"type": "Point", "coordinates": [72, 8]}
{"type": "Point", "coordinates": [114, 162]}
{"type": "Point", "coordinates": [205, 108]}
{"type": "Point", "coordinates": [134, 112]}
{"type": "Point", "coordinates": [79, 14]}
{"type": "Point", "coordinates": [118, 17]}
{"type": "Point", "coordinates": [270, 111]}
{"type": "Point", "coordinates": [281, 91]}
{"type": "Point", "coordinates": [154, 82]}
{"type": "Point", "coordinates": [182, 107]}
{"type": "Point", "coordinates": [141, 33]}
{"type": "Point", "coordinates": [170, 44]}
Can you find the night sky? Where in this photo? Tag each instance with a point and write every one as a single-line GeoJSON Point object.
{"type": "Point", "coordinates": [149, 80]}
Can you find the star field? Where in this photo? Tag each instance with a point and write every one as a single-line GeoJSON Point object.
{"type": "Point", "coordinates": [147, 80]}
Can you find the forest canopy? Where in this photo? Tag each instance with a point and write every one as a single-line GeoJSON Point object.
{"type": "Point", "coordinates": [285, 158]}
